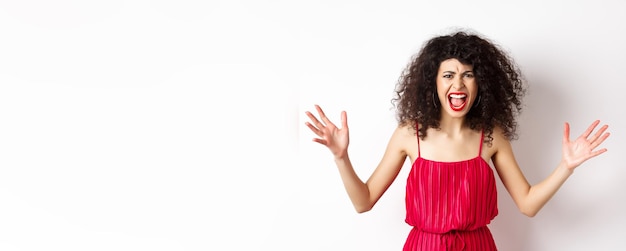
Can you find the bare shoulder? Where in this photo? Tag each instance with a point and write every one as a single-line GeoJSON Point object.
{"type": "Point", "coordinates": [405, 131]}
{"type": "Point", "coordinates": [405, 138]}
{"type": "Point", "coordinates": [499, 142]}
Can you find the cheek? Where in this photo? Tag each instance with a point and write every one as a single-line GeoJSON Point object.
{"type": "Point", "coordinates": [441, 87]}
{"type": "Point", "coordinates": [441, 91]}
{"type": "Point", "coordinates": [473, 87]}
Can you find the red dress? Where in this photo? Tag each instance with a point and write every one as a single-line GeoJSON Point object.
{"type": "Point", "coordinates": [449, 204]}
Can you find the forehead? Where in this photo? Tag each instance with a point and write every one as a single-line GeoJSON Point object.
{"type": "Point", "coordinates": [454, 65]}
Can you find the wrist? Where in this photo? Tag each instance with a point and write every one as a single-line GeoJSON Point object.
{"type": "Point", "coordinates": [339, 158]}
{"type": "Point", "coordinates": [566, 168]}
{"type": "Point", "coordinates": [340, 154]}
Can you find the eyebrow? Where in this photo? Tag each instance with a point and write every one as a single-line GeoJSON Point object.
{"type": "Point", "coordinates": [453, 72]}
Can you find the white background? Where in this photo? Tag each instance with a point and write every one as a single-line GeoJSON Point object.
{"type": "Point", "coordinates": [178, 125]}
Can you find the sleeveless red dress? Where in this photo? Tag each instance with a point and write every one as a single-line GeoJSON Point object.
{"type": "Point", "coordinates": [449, 204]}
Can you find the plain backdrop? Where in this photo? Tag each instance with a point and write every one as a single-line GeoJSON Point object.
{"type": "Point", "coordinates": [179, 125]}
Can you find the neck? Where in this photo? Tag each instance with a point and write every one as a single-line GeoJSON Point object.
{"type": "Point", "coordinates": [451, 125]}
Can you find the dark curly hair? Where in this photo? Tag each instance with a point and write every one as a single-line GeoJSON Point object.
{"type": "Point", "coordinates": [499, 79]}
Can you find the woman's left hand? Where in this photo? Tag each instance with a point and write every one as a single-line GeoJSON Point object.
{"type": "Point", "coordinates": [580, 150]}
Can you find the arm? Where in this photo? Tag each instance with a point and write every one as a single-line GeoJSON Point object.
{"type": "Point", "coordinates": [530, 199]}
{"type": "Point", "coordinates": [362, 194]}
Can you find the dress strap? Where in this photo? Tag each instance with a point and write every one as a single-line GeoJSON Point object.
{"type": "Point", "coordinates": [417, 134]}
{"type": "Point", "coordinates": [482, 138]}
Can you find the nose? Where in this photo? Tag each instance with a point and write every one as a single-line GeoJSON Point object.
{"type": "Point", "coordinates": [457, 83]}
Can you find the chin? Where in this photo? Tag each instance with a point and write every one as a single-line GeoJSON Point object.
{"type": "Point", "coordinates": [458, 111]}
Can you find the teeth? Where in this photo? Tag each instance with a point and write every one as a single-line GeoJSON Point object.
{"type": "Point", "coordinates": [458, 95]}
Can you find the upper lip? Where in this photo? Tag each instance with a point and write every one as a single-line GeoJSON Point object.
{"type": "Point", "coordinates": [457, 93]}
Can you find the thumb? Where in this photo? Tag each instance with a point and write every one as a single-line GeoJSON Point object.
{"type": "Point", "coordinates": [566, 133]}
{"type": "Point", "coordinates": [344, 120]}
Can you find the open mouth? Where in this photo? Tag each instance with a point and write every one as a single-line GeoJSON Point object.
{"type": "Point", "coordinates": [457, 100]}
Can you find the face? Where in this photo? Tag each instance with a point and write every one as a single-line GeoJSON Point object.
{"type": "Point", "coordinates": [456, 87]}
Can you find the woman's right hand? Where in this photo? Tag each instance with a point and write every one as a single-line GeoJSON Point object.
{"type": "Point", "coordinates": [336, 139]}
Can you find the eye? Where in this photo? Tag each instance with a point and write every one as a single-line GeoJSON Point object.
{"type": "Point", "coordinates": [469, 75]}
{"type": "Point", "coordinates": [447, 75]}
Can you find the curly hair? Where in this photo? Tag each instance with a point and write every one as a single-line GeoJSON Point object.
{"type": "Point", "coordinates": [499, 79]}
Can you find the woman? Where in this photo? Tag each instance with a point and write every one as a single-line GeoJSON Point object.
{"type": "Point", "coordinates": [457, 103]}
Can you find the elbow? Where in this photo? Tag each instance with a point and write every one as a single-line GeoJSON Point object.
{"type": "Point", "coordinates": [362, 206]}
{"type": "Point", "coordinates": [362, 209]}
{"type": "Point", "coordinates": [528, 212]}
